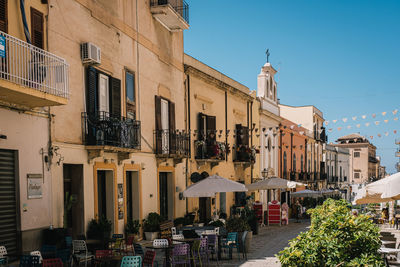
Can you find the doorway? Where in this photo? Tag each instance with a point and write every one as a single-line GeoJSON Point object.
{"type": "Point", "coordinates": [105, 196]}
{"type": "Point", "coordinates": [166, 196]}
{"type": "Point", "coordinates": [204, 209]}
{"type": "Point", "coordinates": [73, 198]}
{"type": "Point", "coordinates": [132, 196]}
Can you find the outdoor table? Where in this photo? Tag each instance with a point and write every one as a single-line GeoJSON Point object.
{"type": "Point", "coordinates": [387, 251]}
{"type": "Point", "coordinates": [384, 243]}
{"type": "Point", "coordinates": [167, 250]}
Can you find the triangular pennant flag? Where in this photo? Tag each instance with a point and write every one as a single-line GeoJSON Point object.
{"type": "Point", "coordinates": [386, 133]}
{"type": "Point", "coordinates": [394, 131]}
{"type": "Point", "coordinates": [395, 119]}
{"type": "Point", "coordinates": [373, 115]}
{"type": "Point", "coordinates": [358, 125]}
{"type": "Point", "coordinates": [292, 127]}
{"type": "Point", "coordinates": [394, 111]}
{"type": "Point", "coordinates": [354, 118]}
{"type": "Point", "coordinates": [363, 116]}
{"type": "Point", "coordinates": [386, 121]}
{"type": "Point", "coordinates": [384, 113]}
{"type": "Point", "coordinates": [344, 119]}
{"type": "Point", "coordinates": [367, 124]}
{"type": "Point", "coordinates": [347, 141]}
{"type": "Point", "coordinates": [299, 125]}
{"type": "Point", "coordinates": [330, 130]}
{"type": "Point", "coordinates": [377, 123]}
{"type": "Point", "coordinates": [349, 126]}
{"type": "Point", "coordinates": [326, 123]}
{"type": "Point", "coordinates": [339, 128]}
{"type": "Point", "coordinates": [334, 121]}
{"type": "Point", "coordinates": [379, 135]}
{"type": "Point", "coordinates": [355, 140]}
{"type": "Point", "coordinates": [301, 132]}
{"type": "Point", "coordinates": [371, 137]}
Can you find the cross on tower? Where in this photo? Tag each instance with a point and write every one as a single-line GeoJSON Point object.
{"type": "Point", "coordinates": [267, 52]}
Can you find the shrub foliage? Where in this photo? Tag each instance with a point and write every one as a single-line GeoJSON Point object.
{"type": "Point", "coordinates": [335, 238]}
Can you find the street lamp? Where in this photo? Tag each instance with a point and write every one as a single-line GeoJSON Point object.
{"type": "Point", "coordinates": [264, 173]}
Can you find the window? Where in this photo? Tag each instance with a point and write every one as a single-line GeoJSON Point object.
{"type": "Point", "coordinates": [301, 162]}
{"type": "Point", "coordinates": [165, 126]}
{"type": "Point", "coordinates": [294, 163]}
{"type": "Point", "coordinates": [356, 175]}
{"type": "Point", "coordinates": [37, 33]}
{"type": "Point", "coordinates": [130, 95]}
{"type": "Point", "coordinates": [284, 165]}
{"type": "Point", "coordinates": [3, 16]}
{"type": "Point", "coordinates": [340, 172]}
{"type": "Point", "coordinates": [356, 154]}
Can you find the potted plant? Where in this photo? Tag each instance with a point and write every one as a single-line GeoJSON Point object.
{"type": "Point", "coordinates": [239, 225]}
{"type": "Point", "coordinates": [151, 226]}
{"type": "Point", "coordinates": [99, 229]}
{"type": "Point", "coordinates": [132, 228]}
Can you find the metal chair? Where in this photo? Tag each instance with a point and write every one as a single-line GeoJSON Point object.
{"type": "Point", "coordinates": [103, 256]}
{"type": "Point", "coordinates": [131, 261]}
{"type": "Point", "coordinates": [231, 242]}
{"type": "Point", "coordinates": [196, 252]}
{"type": "Point", "coordinates": [244, 248]}
{"type": "Point", "coordinates": [3, 255]}
{"type": "Point", "coordinates": [56, 262]}
{"type": "Point", "coordinates": [48, 251]}
{"type": "Point", "coordinates": [177, 237]}
{"type": "Point", "coordinates": [160, 243]}
{"type": "Point", "coordinates": [149, 258]}
{"type": "Point", "coordinates": [64, 255]}
{"type": "Point", "coordinates": [129, 245]}
{"type": "Point", "coordinates": [117, 242]}
{"type": "Point", "coordinates": [173, 230]}
{"type": "Point", "coordinates": [29, 261]}
{"type": "Point", "coordinates": [138, 249]}
{"type": "Point", "coordinates": [180, 254]}
{"type": "Point", "coordinates": [213, 245]}
{"type": "Point", "coordinates": [80, 252]}
{"type": "Point", "coordinates": [37, 253]}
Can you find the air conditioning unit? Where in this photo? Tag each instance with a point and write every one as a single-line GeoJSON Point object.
{"type": "Point", "coordinates": [90, 53]}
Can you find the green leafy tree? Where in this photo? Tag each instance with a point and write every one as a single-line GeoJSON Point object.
{"type": "Point", "coordinates": [336, 238]}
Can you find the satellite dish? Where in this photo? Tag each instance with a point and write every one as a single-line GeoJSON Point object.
{"type": "Point", "coordinates": [195, 177]}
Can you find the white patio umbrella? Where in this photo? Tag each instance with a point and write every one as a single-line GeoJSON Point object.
{"type": "Point", "coordinates": [306, 193]}
{"type": "Point", "coordinates": [384, 190]}
{"type": "Point", "coordinates": [272, 183]}
{"type": "Point", "coordinates": [211, 185]}
{"type": "Point", "coordinates": [329, 192]}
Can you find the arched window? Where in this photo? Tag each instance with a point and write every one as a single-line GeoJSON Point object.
{"type": "Point", "coordinates": [284, 165]}
{"type": "Point", "coordinates": [270, 88]}
{"type": "Point", "coordinates": [294, 163]}
{"type": "Point", "coordinates": [302, 163]}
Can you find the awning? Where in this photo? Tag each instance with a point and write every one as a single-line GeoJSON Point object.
{"type": "Point", "coordinates": [212, 185]}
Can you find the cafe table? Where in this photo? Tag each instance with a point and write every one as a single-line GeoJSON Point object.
{"type": "Point", "coordinates": [167, 250]}
{"type": "Point", "coordinates": [387, 251]}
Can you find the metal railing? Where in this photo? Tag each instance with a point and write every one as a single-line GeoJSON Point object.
{"type": "Point", "coordinates": [210, 149]}
{"type": "Point", "coordinates": [103, 129]}
{"type": "Point", "coordinates": [29, 66]}
{"type": "Point", "coordinates": [171, 143]}
{"type": "Point", "coordinates": [244, 154]}
{"type": "Point", "coordinates": [180, 6]}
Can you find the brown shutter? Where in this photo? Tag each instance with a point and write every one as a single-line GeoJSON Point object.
{"type": "Point", "coordinates": [172, 132]}
{"type": "Point", "coordinates": [3, 16]}
{"type": "Point", "coordinates": [211, 127]}
{"type": "Point", "coordinates": [200, 128]}
{"type": "Point", "coordinates": [245, 140]}
{"type": "Point", "coordinates": [115, 97]}
{"type": "Point", "coordinates": [91, 91]}
{"type": "Point", "coordinates": [37, 32]}
{"type": "Point", "coordinates": [239, 133]}
{"type": "Point", "coordinates": [158, 132]}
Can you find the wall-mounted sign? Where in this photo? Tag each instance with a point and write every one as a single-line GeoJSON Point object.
{"type": "Point", "coordinates": [2, 46]}
{"type": "Point", "coordinates": [35, 184]}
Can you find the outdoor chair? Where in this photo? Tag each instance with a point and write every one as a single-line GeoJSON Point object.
{"type": "Point", "coordinates": [244, 248]}
{"type": "Point", "coordinates": [68, 241]}
{"type": "Point", "coordinates": [129, 246]}
{"type": "Point", "coordinates": [3, 255]}
{"type": "Point", "coordinates": [173, 230]}
{"type": "Point", "coordinates": [230, 242]}
{"type": "Point", "coordinates": [48, 251]}
{"type": "Point", "coordinates": [213, 245]}
{"type": "Point", "coordinates": [117, 242]}
{"type": "Point", "coordinates": [64, 255]}
{"type": "Point", "coordinates": [177, 237]}
{"type": "Point", "coordinates": [149, 258]}
{"type": "Point", "coordinates": [160, 243]}
{"type": "Point", "coordinates": [204, 249]}
{"type": "Point", "coordinates": [103, 256]}
{"type": "Point", "coordinates": [138, 249]}
{"type": "Point", "coordinates": [29, 261]}
{"type": "Point", "coordinates": [80, 253]}
{"type": "Point", "coordinates": [131, 261]}
{"type": "Point", "coordinates": [196, 252]}
{"type": "Point", "coordinates": [56, 262]}
{"type": "Point", "coordinates": [37, 253]}
{"type": "Point", "coordinates": [180, 255]}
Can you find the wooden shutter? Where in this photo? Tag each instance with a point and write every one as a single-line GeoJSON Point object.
{"type": "Point", "coordinates": [172, 133]}
{"type": "Point", "coordinates": [200, 128]}
{"type": "Point", "coordinates": [158, 134]}
{"type": "Point", "coordinates": [37, 31]}
{"type": "Point", "coordinates": [91, 90]}
{"type": "Point", "coordinates": [115, 97]}
{"type": "Point", "coordinates": [245, 140]}
{"type": "Point", "coordinates": [239, 133]}
{"type": "Point", "coordinates": [104, 94]}
{"type": "Point", "coordinates": [3, 16]}
{"type": "Point", "coordinates": [211, 127]}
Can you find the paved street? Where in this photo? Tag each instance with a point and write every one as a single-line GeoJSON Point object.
{"type": "Point", "coordinates": [267, 243]}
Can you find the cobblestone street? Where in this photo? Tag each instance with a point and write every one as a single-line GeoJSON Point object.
{"type": "Point", "coordinates": [266, 244]}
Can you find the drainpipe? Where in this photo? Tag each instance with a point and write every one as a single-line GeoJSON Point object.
{"type": "Point", "coordinates": [23, 16]}
{"type": "Point", "coordinates": [188, 127]}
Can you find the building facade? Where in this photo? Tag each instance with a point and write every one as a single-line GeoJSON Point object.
{"type": "Point", "coordinates": [338, 168]}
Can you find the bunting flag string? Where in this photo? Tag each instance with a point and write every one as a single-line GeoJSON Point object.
{"type": "Point", "coordinates": [354, 118]}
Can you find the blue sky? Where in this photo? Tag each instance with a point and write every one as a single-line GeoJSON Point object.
{"type": "Point", "coordinates": [342, 56]}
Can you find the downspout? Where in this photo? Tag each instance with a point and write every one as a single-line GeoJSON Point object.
{"type": "Point", "coordinates": [226, 126]}
{"type": "Point", "coordinates": [251, 140]}
{"type": "Point", "coordinates": [188, 126]}
{"type": "Point", "coordinates": [137, 59]}
{"type": "Point", "coordinates": [23, 16]}
{"type": "Point", "coordinates": [280, 152]}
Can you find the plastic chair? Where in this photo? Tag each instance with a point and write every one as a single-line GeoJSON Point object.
{"type": "Point", "coordinates": [56, 262]}
{"type": "Point", "coordinates": [80, 252]}
{"type": "Point", "coordinates": [48, 251]}
{"type": "Point", "coordinates": [138, 249]}
{"type": "Point", "coordinates": [204, 249]}
{"type": "Point", "coordinates": [129, 247]}
{"type": "Point", "coordinates": [231, 242]}
{"type": "Point", "coordinates": [149, 258]}
{"type": "Point", "coordinates": [213, 245]}
{"type": "Point", "coordinates": [64, 255]}
{"type": "Point", "coordinates": [244, 245]}
{"type": "Point", "coordinates": [180, 254]}
{"type": "Point", "coordinates": [3, 254]}
{"type": "Point", "coordinates": [160, 243]}
{"type": "Point", "coordinates": [37, 253]}
{"type": "Point", "coordinates": [173, 230]}
{"type": "Point", "coordinates": [117, 242]}
{"type": "Point", "coordinates": [68, 241]}
{"type": "Point", "coordinates": [177, 237]}
{"type": "Point", "coordinates": [131, 261]}
{"type": "Point", "coordinates": [103, 256]}
{"type": "Point", "coordinates": [196, 252]}
{"type": "Point", "coordinates": [29, 261]}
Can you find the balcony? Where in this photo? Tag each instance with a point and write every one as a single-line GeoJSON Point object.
{"type": "Point", "coordinates": [245, 155]}
{"type": "Point", "coordinates": [172, 14]}
{"type": "Point", "coordinates": [372, 159]}
{"type": "Point", "coordinates": [302, 176]}
{"type": "Point", "coordinates": [171, 144]}
{"type": "Point", "coordinates": [30, 76]}
{"type": "Point", "coordinates": [103, 132]}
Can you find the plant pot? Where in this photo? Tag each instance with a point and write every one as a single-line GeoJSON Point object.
{"type": "Point", "coordinates": [150, 236]}
{"type": "Point", "coordinates": [248, 239]}
{"type": "Point", "coordinates": [254, 226]}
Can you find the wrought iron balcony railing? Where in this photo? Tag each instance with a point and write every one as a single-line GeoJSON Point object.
{"type": "Point", "coordinates": [103, 129]}
{"type": "Point", "coordinates": [244, 154]}
{"type": "Point", "coordinates": [180, 6]}
{"type": "Point", "coordinates": [29, 66]}
{"type": "Point", "coordinates": [292, 176]}
{"type": "Point", "coordinates": [171, 143]}
{"type": "Point", "coordinates": [210, 149]}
